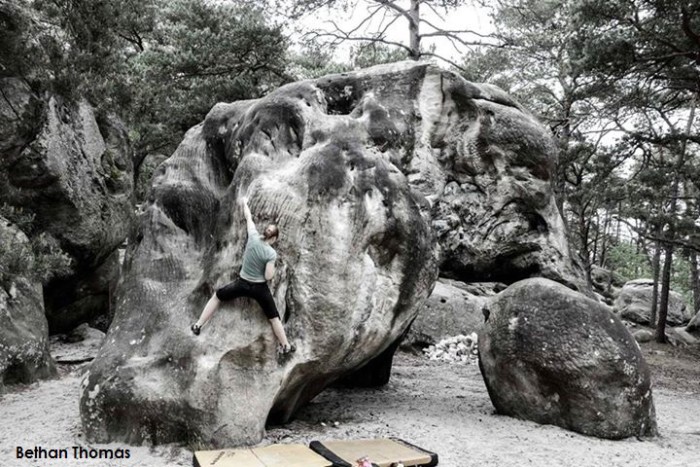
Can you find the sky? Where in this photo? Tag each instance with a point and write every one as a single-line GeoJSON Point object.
{"type": "Point", "coordinates": [464, 17]}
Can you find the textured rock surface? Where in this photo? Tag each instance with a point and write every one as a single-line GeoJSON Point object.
{"type": "Point", "coordinates": [606, 283]}
{"type": "Point", "coordinates": [551, 355]}
{"type": "Point", "coordinates": [693, 326]}
{"type": "Point", "coordinates": [453, 308]}
{"type": "Point", "coordinates": [355, 168]}
{"type": "Point", "coordinates": [487, 164]}
{"type": "Point", "coordinates": [74, 174]}
{"type": "Point", "coordinates": [355, 263]}
{"type": "Point", "coordinates": [634, 304]}
{"type": "Point", "coordinates": [24, 349]}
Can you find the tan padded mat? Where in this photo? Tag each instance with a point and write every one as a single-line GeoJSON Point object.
{"type": "Point", "coordinates": [382, 452]}
{"type": "Point", "coordinates": [275, 455]}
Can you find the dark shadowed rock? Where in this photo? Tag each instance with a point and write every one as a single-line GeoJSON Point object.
{"type": "Point", "coordinates": [24, 349]}
{"type": "Point", "coordinates": [453, 308]}
{"type": "Point", "coordinates": [72, 171]}
{"type": "Point", "coordinates": [553, 356]}
{"type": "Point", "coordinates": [634, 301]}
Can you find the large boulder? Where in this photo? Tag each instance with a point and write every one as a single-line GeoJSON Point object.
{"type": "Point", "coordinates": [553, 356]}
{"type": "Point", "coordinates": [68, 167]}
{"type": "Point", "coordinates": [357, 169]}
{"type": "Point", "coordinates": [24, 339]}
{"type": "Point", "coordinates": [634, 301]}
{"type": "Point", "coordinates": [355, 263]}
{"type": "Point", "coordinates": [453, 308]}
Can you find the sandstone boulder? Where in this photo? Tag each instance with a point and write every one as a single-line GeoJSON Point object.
{"type": "Point", "coordinates": [553, 356]}
{"type": "Point", "coordinates": [634, 301]}
{"type": "Point", "coordinates": [72, 171]}
{"type": "Point", "coordinates": [355, 262]}
{"type": "Point", "coordinates": [453, 308]}
{"type": "Point", "coordinates": [643, 335]}
{"type": "Point", "coordinates": [24, 349]}
{"type": "Point", "coordinates": [486, 164]}
{"type": "Point", "coordinates": [358, 170]}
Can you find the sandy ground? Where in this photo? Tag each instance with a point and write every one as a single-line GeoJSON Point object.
{"type": "Point", "coordinates": [440, 406]}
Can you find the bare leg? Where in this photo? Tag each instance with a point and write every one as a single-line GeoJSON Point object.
{"type": "Point", "coordinates": [210, 308]}
{"type": "Point", "coordinates": [278, 329]}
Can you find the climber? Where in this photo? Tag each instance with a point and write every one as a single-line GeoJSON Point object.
{"type": "Point", "coordinates": [258, 268]}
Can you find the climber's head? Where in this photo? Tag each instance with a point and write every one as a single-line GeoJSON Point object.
{"type": "Point", "coordinates": [271, 233]}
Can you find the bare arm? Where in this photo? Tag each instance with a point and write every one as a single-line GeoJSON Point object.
{"type": "Point", "coordinates": [248, 216]}
{"type": "Point", "coordinates": [269, 270]}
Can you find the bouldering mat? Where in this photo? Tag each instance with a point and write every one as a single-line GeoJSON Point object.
{"type": "Point", "coordinates": [275, 455]}
{"type": "Point", "coordinates": [381, 452]}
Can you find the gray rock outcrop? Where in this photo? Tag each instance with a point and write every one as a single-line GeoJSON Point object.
{"type": "Point", "coordinates": [634, 301]}
{"type": "Point", "coordinates": [65, 165]}
{"type": "Point", "coordinates": [24, 339]}
{"type": "Point", "coordinates": [358, 170]}
{"type": "Point", "coordinates": [72, 171]}
{"type": "Point", "coordinates": [453, 308]}
{"type": "Point", "coordinates": [553, 356]}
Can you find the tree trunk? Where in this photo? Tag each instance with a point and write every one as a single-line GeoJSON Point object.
{"type": "Point", "coordinates": [695, 280]}
{"type": "Point", "coordinates": [413, 29]}
{"type": "Point", "coordinates": [671, 234]}
{"type": "Point", "coordinates": [665, 290]}
{"type": "Point", "coordinates": [656, 267]}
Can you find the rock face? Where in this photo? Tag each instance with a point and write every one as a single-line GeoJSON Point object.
{"type": "Point", "coordinates": [358, 170]}
{"type": "Point", "coordinates": [553, 356]}
{"type": "Point", "coordinates": [355, 262]}
{"type": "Point", "coordinates": [486, 164]}
{"type": "Point", "coordinates": [24, 343]}
{"type": "Point", "coordinates": [634, 304]}
{"type": "Point", "coordinates": [693, 326]}
{"type": "Point", "coordinates": [73, 173]}
{"type": "Point", "coordinates": [453, 308]}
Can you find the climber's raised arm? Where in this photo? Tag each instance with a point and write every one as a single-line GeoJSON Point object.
{"type": "Point", "coordinates": [250, 225]}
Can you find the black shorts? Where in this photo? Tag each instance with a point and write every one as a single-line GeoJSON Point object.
{"type": "Point", "coordinates": [256, 290]}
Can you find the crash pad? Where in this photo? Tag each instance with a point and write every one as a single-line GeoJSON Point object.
{"type": "Point", "coordinates": [275, 455]}
{"type": "Point", "coordinates": [381, 452]}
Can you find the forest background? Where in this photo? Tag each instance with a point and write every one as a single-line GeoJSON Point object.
{"type": "Point", "coordinates": [616, 81]}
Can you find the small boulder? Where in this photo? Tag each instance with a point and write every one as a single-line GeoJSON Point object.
{"type": "Point", "coordinates": [24, 332]}
{"type": "Point", "coordinates": [634, 304]}
{"type": "Point", "coordinates": [553, 356]}
{"type": "Point", "coordinates": [694, 326]}
{"type": "Point", "coordinates": [643, 335]}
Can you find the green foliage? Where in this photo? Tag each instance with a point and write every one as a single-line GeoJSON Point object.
{"type": "Point", "coordinates": [375, 53]}
{"type": "Point", "coordinates": [22, 220]}
{"type": "Point", "coordinates": [41, 259]}
{"type": "Point", "coordinates": [313, 61]}
{"type": "Point", "coordinates": [198, 54]}
{"type": "Point", "coordinates": [625, 260]}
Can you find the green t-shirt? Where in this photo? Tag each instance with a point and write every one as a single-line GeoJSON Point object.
{"type": "Point", "coordinates": [256, 255]}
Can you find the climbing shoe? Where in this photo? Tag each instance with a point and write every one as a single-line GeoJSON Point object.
{"type": "Point", "coordinates": [284, 352]}
{"type": "Point", "coordinates": [195, 329]}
